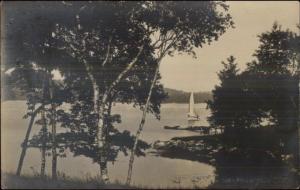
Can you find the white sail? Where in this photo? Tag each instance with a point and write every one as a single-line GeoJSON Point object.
{"type": "Point", "coordinates": [191, 105]}
{"type": "Point", "coordinates": [192, 115]}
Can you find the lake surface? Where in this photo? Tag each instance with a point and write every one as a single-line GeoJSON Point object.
{"type": "Point", "coordinates": [151, 170]}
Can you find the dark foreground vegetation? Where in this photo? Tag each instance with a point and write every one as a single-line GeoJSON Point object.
{"type": "Point", "coordinates": [247, 164]}
{"type": "Point", "coordinates": [11, 181]}
{"type": "Point", "coordinates": [224, 150]}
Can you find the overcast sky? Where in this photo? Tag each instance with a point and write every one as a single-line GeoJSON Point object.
{"type": "Point", "coordinates": [251, 19]}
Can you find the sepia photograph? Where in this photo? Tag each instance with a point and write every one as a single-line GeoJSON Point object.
{"type": "Point", "coordinates": [150, 94]}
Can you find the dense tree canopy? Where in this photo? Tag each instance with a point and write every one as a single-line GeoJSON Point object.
{"type": "Point", "coordinates": [267, 88]}
{"type": "Point", "coordinates": [265, 95]}
{"type": "Point", "coordinates": [106, 52]}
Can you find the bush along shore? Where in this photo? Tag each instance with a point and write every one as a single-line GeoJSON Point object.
{"type": "Point", "coordinates": [235, 167]}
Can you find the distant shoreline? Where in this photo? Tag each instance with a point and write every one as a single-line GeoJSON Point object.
{"type": "Point", "coordinates": [174, 96]}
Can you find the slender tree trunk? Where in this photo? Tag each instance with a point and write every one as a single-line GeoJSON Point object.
{"type": "Point", "coordinates": [44, 131]}
{"type": "Point", "coordinates": [141, 125]}
{"type": "Point", "coordinates": [53, 131]}
{"type": "Point", "coordinates": [44, 127]}
{"type": "Point", "coordinates": [24, 145]}
{"type": "Point", "coordinates": [101, 144]}
{"type": "Point", "coordinates": [54, 154]}
{"type": "Point", "coordinates": [25, 142]}
{"type": "Point", "coordinates": [103, 151]}
{"type": "Point", "coordinates": [163, 51]}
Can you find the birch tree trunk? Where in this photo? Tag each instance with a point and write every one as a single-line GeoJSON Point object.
{"type": "Point", "coordinates": [101, 137]}
{"type": "Point", "coordinates": [163, 48]}
{"type": "Point", "coordinates": [141, 125]}
{"type": "Point", "coordinates": [100, 109]}
{"type": "Point", "coordinates": [101, 143]}
{"type": "Point", "coordinates": [53, 131]}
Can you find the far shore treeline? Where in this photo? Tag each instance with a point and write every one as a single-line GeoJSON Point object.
{"type": "Point", "coordinates": [174, 96]}
{"type": "Point", "coordinates": [179, 96]}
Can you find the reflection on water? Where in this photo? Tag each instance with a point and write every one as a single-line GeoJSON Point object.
{"type": "Point", "coordinates": [148, 171]}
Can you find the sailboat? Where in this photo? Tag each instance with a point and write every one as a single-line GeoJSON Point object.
{"type": "Point", "coordinates": [194, 123]}
{"type": "Point", "coordinates": [192, 116]}
{"type": "Point", "coordinates": [193, 119]}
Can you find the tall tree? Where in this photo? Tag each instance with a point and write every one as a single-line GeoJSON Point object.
{"type": "Point", "coordinates": [121, 42]}
{"type": "Point", "coordinates": [234, 105]}
{"type": "Point", "coordinates": [81, 120]}
{"type": "Point", "coordinates": [117, 42]}
{"type": "Point", "coordinates": [224, 96]}
{"type": "Point", "coordinates": [275, 68]}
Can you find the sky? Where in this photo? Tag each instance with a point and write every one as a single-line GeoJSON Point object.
{"type": "Point", "coordinates": [183, 72]}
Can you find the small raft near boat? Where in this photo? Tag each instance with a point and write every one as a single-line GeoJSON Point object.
{"type": "Point", "coordinates": [169, 127]}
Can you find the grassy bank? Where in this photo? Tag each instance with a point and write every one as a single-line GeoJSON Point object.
{"type": "Point", "coordinates": [11, 181]}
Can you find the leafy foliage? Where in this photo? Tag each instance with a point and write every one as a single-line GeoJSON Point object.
{"type": "Point", "coordinates": [266, 91]}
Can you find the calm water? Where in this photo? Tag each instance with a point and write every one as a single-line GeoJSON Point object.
{"type": "Point", "coordinates": [150, 170]}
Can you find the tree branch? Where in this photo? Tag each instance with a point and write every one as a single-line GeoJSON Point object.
{"type": "Point", "coordinates": [108, 51]}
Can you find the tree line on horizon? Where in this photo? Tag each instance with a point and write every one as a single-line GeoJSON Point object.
{"type": "Point", "coordinates": [179, 96]}
{"type": "Point", "coordinates": [172, 95]}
